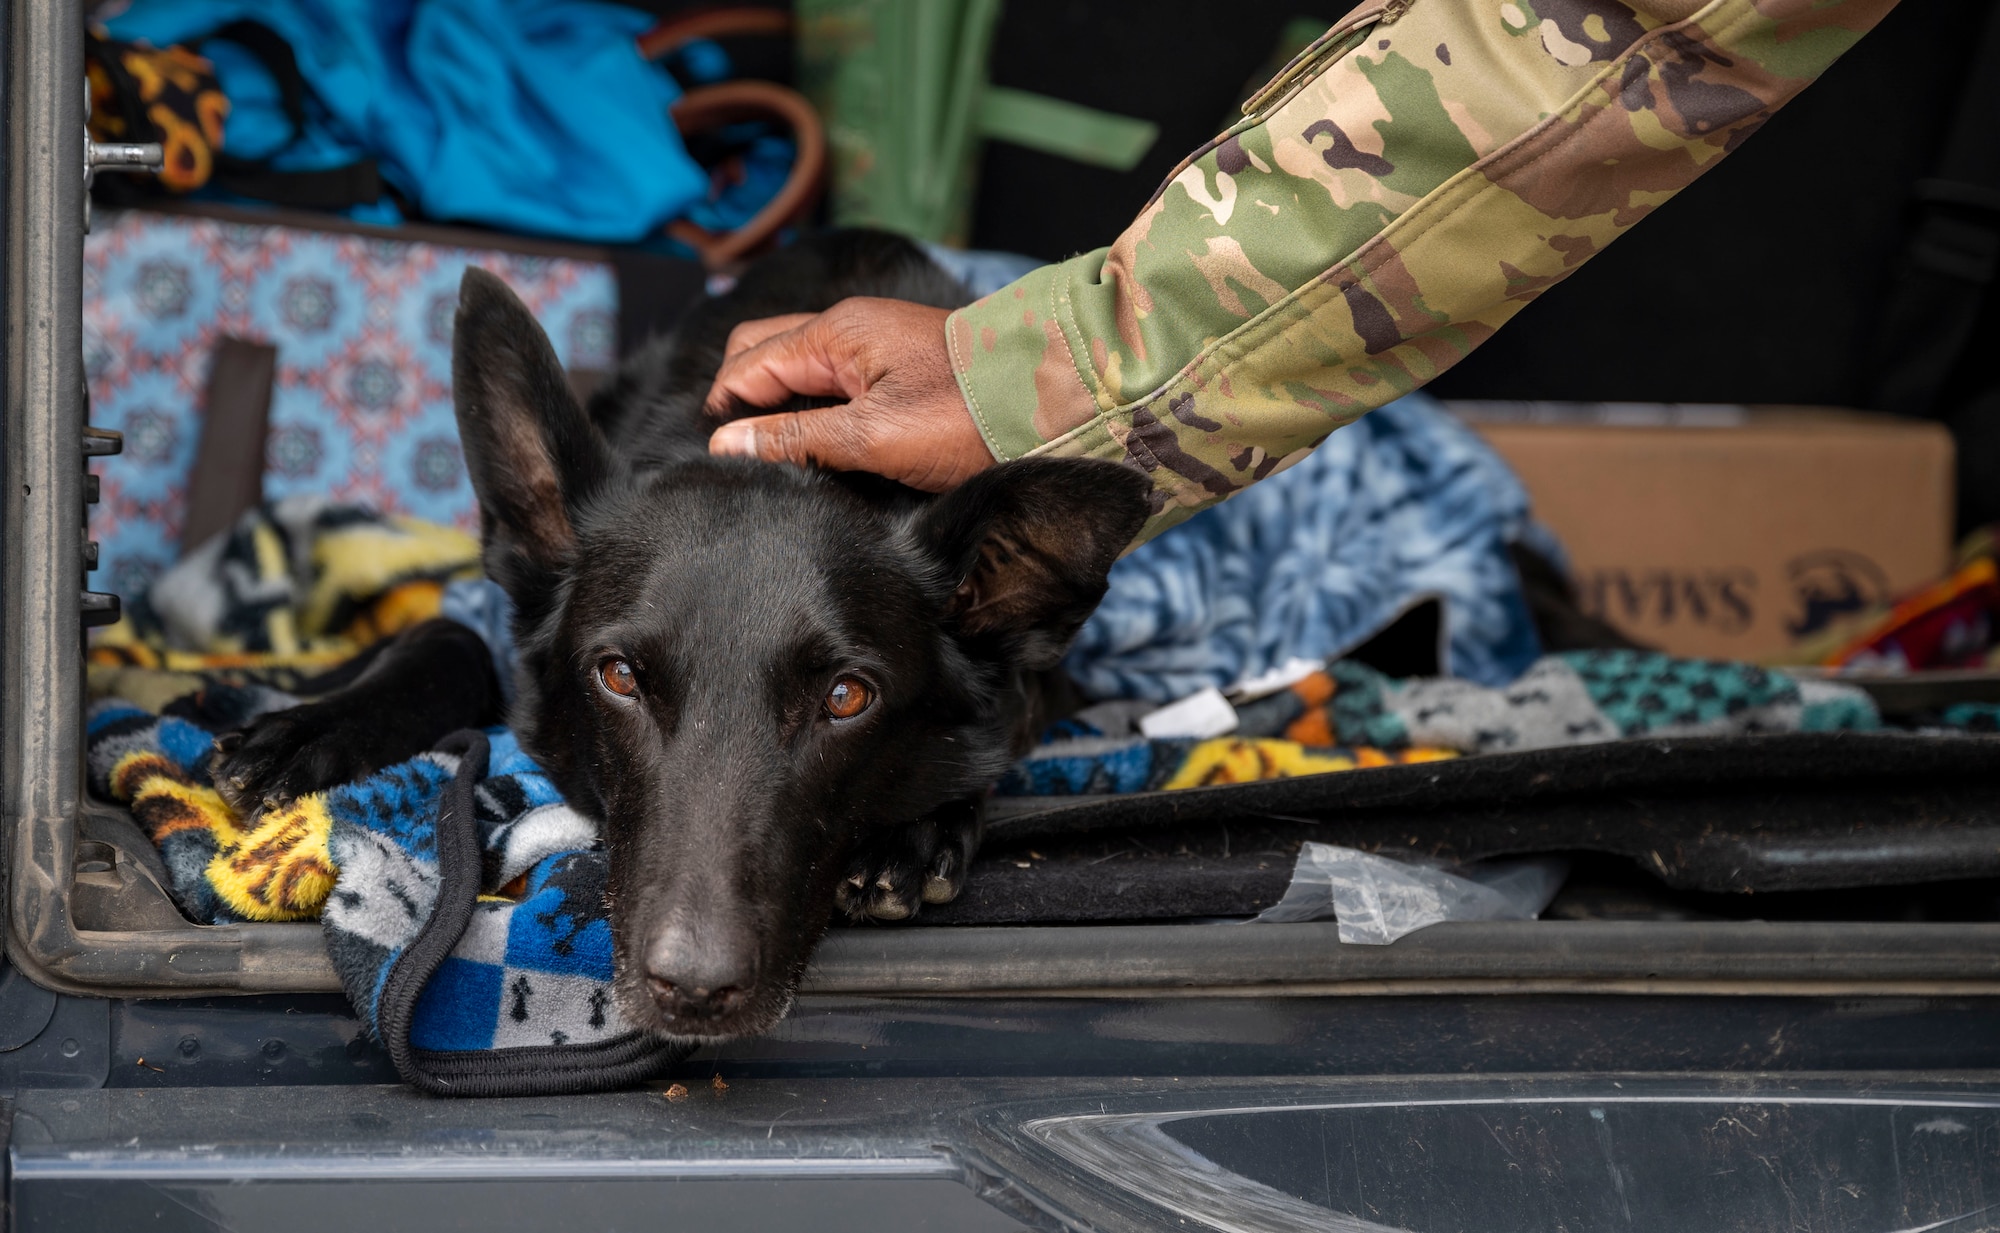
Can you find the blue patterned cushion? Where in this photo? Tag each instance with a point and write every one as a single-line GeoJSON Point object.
{"type": "Point", "coordinates": [362, 407]}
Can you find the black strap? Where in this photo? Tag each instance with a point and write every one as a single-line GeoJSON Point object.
{"type": "Point", "coordinates": [547, 1070]}
{"type": "Point", "coordinates": [276, 54]}
{"type": "Point", "coordinates": [1949, 266]}
{"type": "Point", "coordinates": [332, 188]}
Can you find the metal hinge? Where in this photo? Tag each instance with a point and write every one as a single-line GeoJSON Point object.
{"type": "Point", "coordinates": [102, 442]}
{"type": "Point", "coordinates": [114, 156]}
{"type": "Point", "coordinates": [101, 607]}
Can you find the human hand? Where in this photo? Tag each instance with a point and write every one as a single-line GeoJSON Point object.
{"type": "Point", "coordinates": [904, 417]}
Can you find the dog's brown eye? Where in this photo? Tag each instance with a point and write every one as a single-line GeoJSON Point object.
{"type": "Point", "coordinates": [847, 698]}
{"type": "Point", "coordinates": [617, 676]}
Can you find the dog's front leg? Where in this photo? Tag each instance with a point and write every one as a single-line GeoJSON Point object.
{"type": "Point", "coordinates": [923, 862]}
{"type": "Point", "coordinates": [434, 679]}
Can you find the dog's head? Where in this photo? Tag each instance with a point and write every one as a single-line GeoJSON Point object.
{"type": "Point", "coordinates": [747, 671]}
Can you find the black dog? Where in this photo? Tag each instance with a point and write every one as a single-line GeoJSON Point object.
{"type": "Point", "coordinates": [781, 690]}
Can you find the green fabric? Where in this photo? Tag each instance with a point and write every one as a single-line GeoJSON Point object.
{"type": "Point", "coordinates": [1052, 126]}
{"type": "Point", "coordinates": [902, 85]}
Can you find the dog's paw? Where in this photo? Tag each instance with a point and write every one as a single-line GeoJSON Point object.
{"type": "Point", "coordinates": [906, 867]}
{"type": "Point", "coordinates": [289, 754]}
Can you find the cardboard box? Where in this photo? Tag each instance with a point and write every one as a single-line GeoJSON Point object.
{"type": "Point", "coordinates": [1731, 531]}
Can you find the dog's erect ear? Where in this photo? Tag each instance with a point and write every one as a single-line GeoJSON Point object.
{"type": "Point", "coordinates": [1029, 545]}
{"type": "Point", "coordinates": [532, 454]}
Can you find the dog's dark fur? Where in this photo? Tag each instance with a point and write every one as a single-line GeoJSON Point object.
{"type": "Point", "coordinates": [737, 811]}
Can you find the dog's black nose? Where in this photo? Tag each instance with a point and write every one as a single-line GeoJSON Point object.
{"type": "Point", "coordinates": [691, 981]}
{"type": "Point", "coordinates": [696, 1002]}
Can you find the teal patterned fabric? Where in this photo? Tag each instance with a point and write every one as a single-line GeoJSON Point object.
{"type": "Point", "coordinates": [1642, 692]}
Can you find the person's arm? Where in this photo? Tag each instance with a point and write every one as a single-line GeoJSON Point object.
{"type": "Point", "coordinates": [1397, 194]}
{"type": "Point", "coordinates": [1361, 232]}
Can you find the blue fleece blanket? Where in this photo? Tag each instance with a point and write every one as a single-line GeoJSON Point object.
{"type": "Point", "coordinates": [1404, 504]}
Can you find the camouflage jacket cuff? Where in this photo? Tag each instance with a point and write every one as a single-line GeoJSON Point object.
{"type": "Point", "coordinates": [1012, 342]}
{"type": "Point", "coordinates": [1392, 198]}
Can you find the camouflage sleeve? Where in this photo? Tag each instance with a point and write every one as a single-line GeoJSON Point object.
{"type": "Point", "coordinates": [1396, 194]}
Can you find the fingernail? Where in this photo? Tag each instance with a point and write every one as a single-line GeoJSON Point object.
{"type": "Point", "coordinates": [737, 438]}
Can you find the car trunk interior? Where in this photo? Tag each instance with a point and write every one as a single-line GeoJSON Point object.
{"type": "Point", "coordinates": [1823, 864]}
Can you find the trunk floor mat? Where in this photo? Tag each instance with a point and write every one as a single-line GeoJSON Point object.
{"type": "Point", "coordinates": [1774, 813]}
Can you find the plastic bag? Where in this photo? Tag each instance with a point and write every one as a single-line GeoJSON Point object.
{"type": "Point", "coordinates": [1377, 900]}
